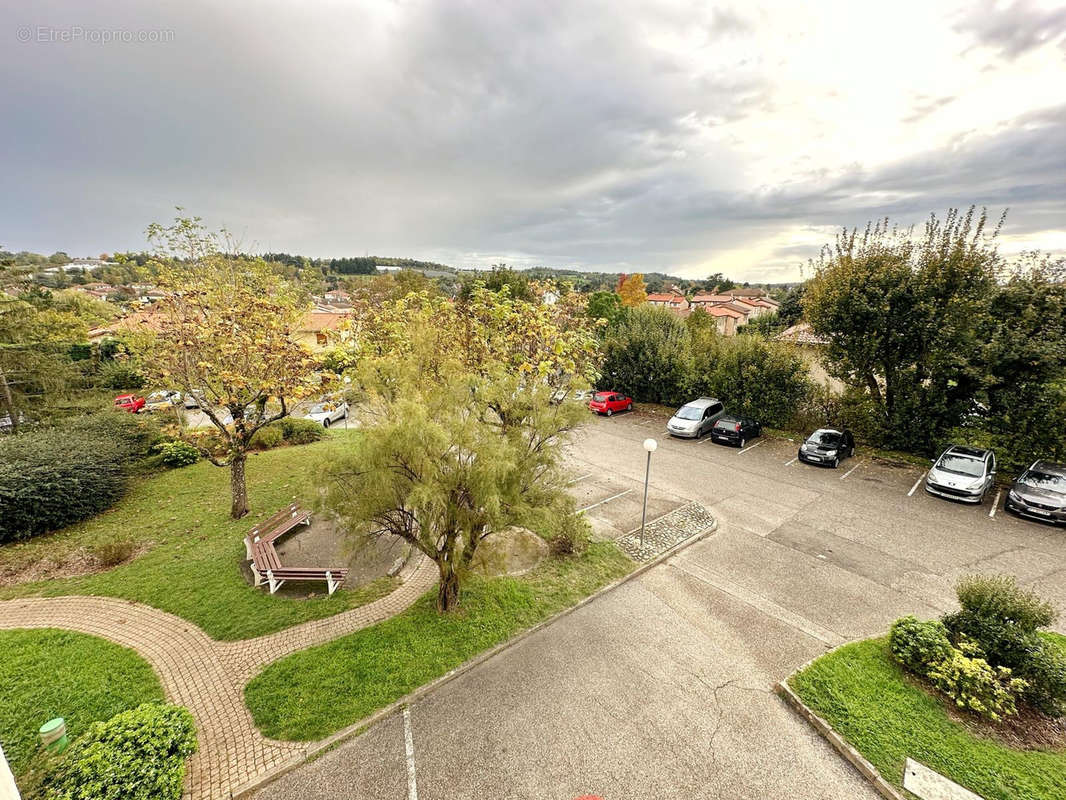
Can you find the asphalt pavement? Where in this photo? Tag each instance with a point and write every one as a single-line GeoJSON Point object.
{"type": "Point", "coordinates": [662, 688]}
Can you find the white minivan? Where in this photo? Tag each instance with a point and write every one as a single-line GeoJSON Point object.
{"type": "Point", "coordinates": [694, 419]}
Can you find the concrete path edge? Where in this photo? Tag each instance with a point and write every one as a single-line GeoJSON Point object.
{"type": "Point", "coordinates": [321, 747]}
{"type": "Point", "coordinates": [836, 741]}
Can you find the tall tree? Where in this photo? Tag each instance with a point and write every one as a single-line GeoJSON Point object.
{"type": "Point", "coordinates": [225, 332]}
{"type": "Point", "coordinates": [34, 347]}
{"type": "Point", "coordinates": [632, 291]}
{"type": "Point", "coordinates": [460, 439]}
{"type": "Point", "coordinates": [904, 314]}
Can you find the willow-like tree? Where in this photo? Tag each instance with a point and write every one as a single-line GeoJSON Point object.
{"type": "Point", "coordinates": [461, 438]}
{"type": "Point", "coordinates": [226, 333]}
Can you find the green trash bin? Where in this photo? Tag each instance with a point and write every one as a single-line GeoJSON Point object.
{"type": "Point", "coordinates": [54, 735]}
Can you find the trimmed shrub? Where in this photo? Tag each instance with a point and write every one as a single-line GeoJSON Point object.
{"type": "Point", "coordinates": [974, 685]}
{"type": "Point", "coordinates": [135, 755]}
{"type": "Point", "coordinates": [50, 479]}
{"type": "Point", "coordinates": [177, 453]}
{"type": "Point", "coordinates": [133, 435]}
{"type": "Point", "coordinates": [919, 645]}
{"type": "Point", "coordinates": [267, 437]}
{"type": "Point", "coordinates": [300, 431]}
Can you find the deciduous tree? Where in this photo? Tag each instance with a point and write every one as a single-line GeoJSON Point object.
{"type": "Point", "coordinates": [632, 291]}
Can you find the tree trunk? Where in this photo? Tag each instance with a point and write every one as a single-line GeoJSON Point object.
{"type": "Point", "coordinates": [448, 590]}
{"type": "Point", "coordinates": [237, 487]}
{"type": "Point", "coordinates": [9, 404]}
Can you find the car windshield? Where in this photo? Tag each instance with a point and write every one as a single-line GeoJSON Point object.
{"type": "Point", "coordinates": [320, 408]}
{"type": "Point", "coordinates": [824, 438]}
{"type": "Point", "coordinates": [961, 465]}
{"type": "Point", "coordinates": [1044, 480]}
{"type": "Point", "coordinates": [689, 412]}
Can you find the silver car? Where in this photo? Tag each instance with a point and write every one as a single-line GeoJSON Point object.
{"type": "Point", "coordinates": [694, 419]}
{"type": "Point", "coordinates": [962, 473]}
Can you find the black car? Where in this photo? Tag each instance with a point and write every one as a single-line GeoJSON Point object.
{"type": "Point", "coordinates": [827, 447]}
{"type": "Point", "coordinates": [735, 430]}
{"type": "Point", "coordinates": [1040, 492]}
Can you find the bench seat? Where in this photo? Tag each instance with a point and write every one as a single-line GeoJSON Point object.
{"type": "Point", "coordinates": [266, 563]}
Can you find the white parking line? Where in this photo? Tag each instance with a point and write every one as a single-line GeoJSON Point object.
{"type": "Point", "coordinates": [793, 461]}
{"type": "Point", "coordinates": [916, 484]}
{"type": "Point", "coordinates": [609, 499]}
{"type": "Point", "coordinates": [581, 478]}
{"type": "Point", "coordinates": [749, 447]}
{"type": "Point", "coordinates": [995, 503]}
{"type": "Point", "coordinates": [857, 465]}
{"type": "Point", "coordinates": [409, 749]}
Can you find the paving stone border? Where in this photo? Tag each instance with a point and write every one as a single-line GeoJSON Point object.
{"type": "Point", "coordinates": [207, 676]}
{"type": "Point", "coordinates": [665, 532]}
{"type": "Point", "coordinates": [836, 741]}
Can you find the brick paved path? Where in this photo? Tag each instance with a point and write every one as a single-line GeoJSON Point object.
{"type": "Point", "coordinates": [206, 676]}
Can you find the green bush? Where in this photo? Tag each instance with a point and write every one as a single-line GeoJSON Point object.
{"type": "Point", "coordinates": [133, 435]}
{"type": "Point", "coordinates": [751, 375]}
{"type": "Point", "coordinates": [266, 438]}
{"type": "Point", "coordinates": [120, 376]}
{"type": "Point", "coordinates": [287, 431]}
{"type": "Point", "coordinates": [974, 685]}
{"type": "Point", "coordinates": [135, 755]}
{"type": "Point", "coordinates": [1003, 619]}
{"type": "Point", "coordinates": [300, 431]}
{"type": "Point", "coordinates": [918, 645]}
{"type": "Point", "coordinates": [647, 356]}
{"type": "Point", "coordinates": [50, 479]}
{"type": "Point", "coordinates": [177, 453]}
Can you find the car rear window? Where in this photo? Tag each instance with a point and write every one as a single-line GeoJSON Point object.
{"type": "Point", "coordinates": [726, 424]}
{"type": "Point", "coordinates": [601, 397]}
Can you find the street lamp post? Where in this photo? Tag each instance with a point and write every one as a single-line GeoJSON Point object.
{"type": "Point", "coordinates": [650, 445]}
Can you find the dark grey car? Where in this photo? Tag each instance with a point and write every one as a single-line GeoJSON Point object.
{"type": "Point", "coordinates": [1040, 493]}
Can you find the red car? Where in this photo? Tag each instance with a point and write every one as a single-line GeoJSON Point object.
{"type": "Point", "coordinates": [129, 402]}
{"type": "Point", "coordinates": [609, 402]}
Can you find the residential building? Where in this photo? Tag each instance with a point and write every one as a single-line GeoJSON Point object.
{"type": "Point", "coordinates": [674, 300]}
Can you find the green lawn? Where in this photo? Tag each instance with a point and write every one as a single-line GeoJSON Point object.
{"type": "Point", "coordinates": [313, 693]}
{"type": "Point", "coordinates": [50, 673]}
{"type": "Point", "coordinates": [863, 693]}
{"type": "Point", "coordinates": [192, 568]}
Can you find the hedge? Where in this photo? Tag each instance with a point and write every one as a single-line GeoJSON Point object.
{"type": "Point", "coordinates": [51, 478]}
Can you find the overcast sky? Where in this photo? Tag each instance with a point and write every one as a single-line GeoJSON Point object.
{"type": "Point", "coordinates": [687, 137]}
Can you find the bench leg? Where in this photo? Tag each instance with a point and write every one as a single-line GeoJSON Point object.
{"type": "Point", "coordinates": [258, 575]}
{"type": "Point", "coordinates": [331, 585]}
{"type": "Point", "coordinates": [274, 584]}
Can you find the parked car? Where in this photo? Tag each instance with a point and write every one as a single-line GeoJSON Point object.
{"type": "Point", "coordinates": [735, 430]}
{"type": "Point", "coordinates": [6, 424]}
{"type": "Point", "coordinates": [129, 402]}
{"type": "Point", "coordinates": [827, 446]}
{"type": "Point", "coordinates": [328, 412]}
{"type": "Point", "coordinates": [1040, 492]}
{"type": "Point", "coordinates": [962, 473]}
{"type": "Point", "coordinates": [193, 399]}
{"type": "Point", "coordinates": [577, 395]}
{"type": "Point", "coordinates": [694, 419]}
{"type": "Point", "coordinates": [609, 402]}
{"type": "Point", "coordinates": [162, 400]}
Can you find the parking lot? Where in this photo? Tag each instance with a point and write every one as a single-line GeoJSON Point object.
{"type": "Point", "coordinates": [662, 688]}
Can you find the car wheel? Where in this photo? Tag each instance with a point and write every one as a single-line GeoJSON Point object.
{"type": "Point", "coordinates": [609, 412]}
{"type": "Point", "coordinates": [325, 423]}
{"type": "Point", "coordinates": [629, 407]}
{"type": "Point", "coordinates": [836, 462]}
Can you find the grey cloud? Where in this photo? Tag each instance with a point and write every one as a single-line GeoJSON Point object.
{"type": "Point", "coordinates": [1014, 29]}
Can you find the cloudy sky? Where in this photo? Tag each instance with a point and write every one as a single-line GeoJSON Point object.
{"type": "Point", "coordinates": [687, 137]}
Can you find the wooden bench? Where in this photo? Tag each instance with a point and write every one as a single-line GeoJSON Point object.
{"type": "Point", "coordinates": [265, 562]}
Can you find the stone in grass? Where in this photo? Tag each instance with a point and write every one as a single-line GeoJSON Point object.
{"type": "Point", "coordinates": [512, 551]}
